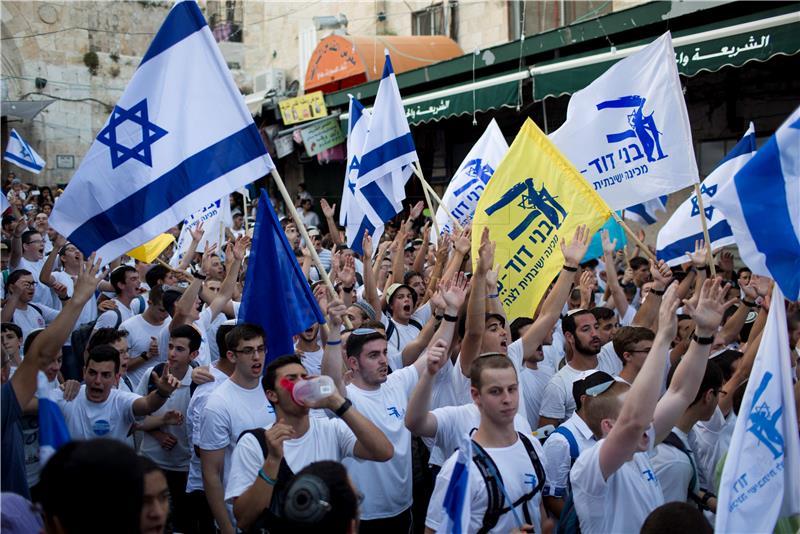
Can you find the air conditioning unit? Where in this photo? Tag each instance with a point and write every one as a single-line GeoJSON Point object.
{"type": "Point", "coordinates": [271, 80]}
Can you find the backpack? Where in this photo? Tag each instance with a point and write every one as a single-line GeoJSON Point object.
{"type": "Point", "coordinates": [672, 440]}
{"type": "Point", "coordinates": [390, 330]}
{"type": "Point", "coordinates": [494, 484]}
{"type": "Point", "coordinates": [568, 522]}
{"type": "Point", "coordinates": [271, 516]}
{"type": "Point", "coordinates": [574, 450]}
{"type": "Point", "coordinates": [80, 336]}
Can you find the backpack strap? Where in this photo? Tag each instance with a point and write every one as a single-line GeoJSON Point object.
{"type": "Point", "coordinates": [390, 329]}
{"type": "Point", "coordinates": [37, 308]}
{"type": "Point", "coordinates": [140, 300]}
{"type": "Point", "coordinates": [415, 324]}
{"type": "Point", "coordinates": [158, 369]}
{"type": "Point", "coordinates": [574, 450]}
{"type": "Point", "coordinates": [673, 440]}
{"type": "Point", "coordinates": [119, 318]}
{"type": "Point", "coordinates": [128, 382]}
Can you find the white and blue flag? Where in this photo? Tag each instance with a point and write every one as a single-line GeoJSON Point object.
{"type": "Point", "coordinates": [53, 431]}
{"type": "Point", "coordinates": [215, 217]}
{"type": "Point", "coordinates": [351, 214]}
{"type": "Point", "coordinates": [679, 234]}
{"type": "Point", "coordinates": [457, 496]}
{"type": "Point", "coordinates": [388, 153]}
{"type": "Point", "coordinates": [179, 138]}
{"type": "Point", "coordinates": [464, 190]}
{"type": "Point", "coordinates": [760, 481]}
{"type": "Point", "coordinates": [762, 206]}
{"type": "Point", "coordinates": [628, 132]}
{"type": "Point", "coordinates": [22, 155]}
{"type": "Point", "coordinates": [646, 213]}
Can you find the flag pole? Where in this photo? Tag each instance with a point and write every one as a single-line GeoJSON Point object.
{"type": "Point", "coordinates": [304, 233]}
{"type": "Point", "coordinates": [647, 252]}
{"type": "Point", "coordinates": [705, 229]}
{"type": "Point", "coordinates": [433, 212]}
{"type": "Point", "coordinates": [426, 186]}
{"type": "Point", "coordinates": [245, 202]}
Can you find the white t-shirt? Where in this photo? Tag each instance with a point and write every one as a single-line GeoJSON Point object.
{"type": "Point", "coordinates": [177, 458]}
{"type": "Point", "coordinates": [109, 419]}
{"type": "Point", "coordinates": [89, 311]}
{"type": "Point", "coordinates": [139, 334]}
{"type": "Point", "coordinates": [621, 503]}
{"type": "Point", "coordinates": [326, 439]}
{"type": "Point", "coordinates": [608, 361]}
{"type": "Point", "coordinates": [192, 421]}
{"type": "Point", "coordinates": [386, 485]}
{"type": "Point", "coordinates": [108, 319]}
{"type": "Point", "coordinates": [674, 469]}
{"type": "Point", "coordinates": [519, 478]}
{"type": "Point", "coordinates": [558, 402]}
{"type": "Point", "coordinates": [41, 293]}
{"type": "Point", "coordinates": [230, 410]}
{"type": "Point", "coordinates": [403, 335]}
{"type": "Point", "coordinates": [552, 357]}
{"type": "Point", "coordinates": [533, 382]}
{"type": "Point", "coordinates": [312, 360]}
{"type": "Point", "coordinates": [557, 459]}
{"type": "Point", "coordinates": [710, 440]}
{"type": "Point", "coordinates": [30, 319]}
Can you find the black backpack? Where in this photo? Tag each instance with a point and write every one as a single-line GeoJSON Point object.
{"type": "Point", "coordinates": [493, 480]}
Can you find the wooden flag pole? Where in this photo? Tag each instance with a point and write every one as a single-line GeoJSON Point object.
{"type": "Point", "coordinates": [433, 213]}
{"type": "Point", "coordinates": [301, 227]}
{"type": "Point", "coordinates": [634, 237]}
{"type": "Point", "coordinates": [245, 205]}
{"type": "Point", "coordinates": [427, 187]}
{"type": "Point", "coordinates": [705, 230]}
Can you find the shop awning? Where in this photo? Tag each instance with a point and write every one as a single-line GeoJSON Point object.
{"type": "Point", "coordinates": [342, 61]}
{"type": "Point", "coordinates": [24, 109]}
{"type": "Point", "coordinates": [709, 48]}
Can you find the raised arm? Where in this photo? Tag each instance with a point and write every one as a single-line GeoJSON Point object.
{"type": "Point", "coordinates": [197, 235]}
{"type": "Point", "coordinates": [648, 313]}
{"type": "Point", "coordinates": [229, 284]}
{"type": "Point", "coordinates": [165, 384]}
{"type": "Point", "coordinates": [461, 247]}
{"type": "Point", "coordinates": [612, 282]}
{"type": "Point", "coordinates": [328, 212]}
{"type": "Point", "coordinates": [16, 242]}
{"type": "Point", "coordinates": [370, 288]}
{"type": "Point", "coordinates": [332, 359]}
{"type": "Point", "coordinates": [419, 420]}
{"type": "Point", "coordinates": [398, 256]}
{"type": "Point", "coordinates": [46, 274]}
{"type": "Point", "coordinates": [476, 308]}
{"type": "Point", "coordinates": [422, 253]}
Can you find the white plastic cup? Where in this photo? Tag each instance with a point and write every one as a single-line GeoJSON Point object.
{"type": "Point", "coordinates": [313, 389]}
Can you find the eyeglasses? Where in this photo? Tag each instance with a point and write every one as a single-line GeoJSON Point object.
{"type": "Point", "coordinates": [32, 283]}
{"type": "Point", "coordinates": [249, 351]}
{"type": "Point", "coordinates": [35, 242]}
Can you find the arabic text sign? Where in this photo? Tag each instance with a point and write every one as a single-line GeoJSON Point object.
{"type": "Point", "coordinates": [699, 55]}
{"type": "Point", "coordinates": [303, 108]}
{"type": "Point", "coordinates": [321, 136]}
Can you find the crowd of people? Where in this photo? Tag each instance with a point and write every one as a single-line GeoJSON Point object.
{"type": "Point", "coordinates": [608, 409]}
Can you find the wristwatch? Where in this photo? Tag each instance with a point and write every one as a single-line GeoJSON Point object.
{"type": "Point", "coordinates": [343, 408]}
{"type": "Point", "coordinates": [702, 340]}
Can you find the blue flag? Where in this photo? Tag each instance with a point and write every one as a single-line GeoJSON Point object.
{"type": "Point", "coordinates": [615, 231]}
{"type": "Point", "coordinates": [276, 294]}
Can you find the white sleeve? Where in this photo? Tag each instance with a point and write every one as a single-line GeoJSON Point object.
{"type": "Point", "coordinates": [460, 384]}
{"type": "Point", "coordinates": [48, 313]}
{"type": "Point", "coordinates": [345, 439]}
{"type": "Point", "coordinates": [557, 463]}
{"type": "Point", "coordinates": [515, 354]}
{"type": "Point", "coordinates": [213, 430]}
{"type": "Point", "coordinates": [124, 405]}
{"type": "Point", "coordinates": [246, 460]}
{"type": "Point", "coordinates": [554, 405]}
{"type": "Point", "coordinates": [586, 476]}
{"type": "Point", "coordinates": [447, 435]}
{"type": "Point", "coordinates": [106, 320]}
{"type": "Point", "coordinates": [627, 319]}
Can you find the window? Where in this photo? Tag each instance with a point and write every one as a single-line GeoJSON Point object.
{"type": "Point", "coordinates": [225, 20]}
{"type": "Point", "coordinates": [429, 21]}
{"type": "Point", "coordinates": [542, 16]}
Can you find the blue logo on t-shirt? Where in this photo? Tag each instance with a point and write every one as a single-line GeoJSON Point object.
{"type": "Point", "coordinates": [271, 409]}
{"type": "Point", "coordinates": [648, 475]}
{"type": "Point", "coordinates": [530, 478]}
{"type": "Point", "coordinates": [101, 427]}
{"type": "Point", "coordinates": [394, 412]}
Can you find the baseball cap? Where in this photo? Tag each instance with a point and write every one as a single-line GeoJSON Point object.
{"type": "Point", "coordinates": [393, 289]}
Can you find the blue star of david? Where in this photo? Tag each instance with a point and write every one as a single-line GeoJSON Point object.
{"type": "Point", "coordinates": [526, 203]}
{"type": "Point", "coordinates": [26, 152]}
{"type": "Point", "coordinates": [121, 153]}
{"type": "Point", "coordinates": [709, 210]}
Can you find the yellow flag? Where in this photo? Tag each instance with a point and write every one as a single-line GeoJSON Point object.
{"type": "Point", "coordinates": [148, 252]}
{"type": "Point", "coordinates": [535, 198]}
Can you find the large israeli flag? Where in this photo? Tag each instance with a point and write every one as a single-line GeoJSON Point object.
{"type": "Point", "coordinates": [628, 132]}
{"type": "Point", "coordinates": [760, 481]}
{"type": "Point", "coordinates": [388, 153]}
{"type": "Point", "coordinates": [685, 227]}
{"type": "Point", "coordinates": [762, 206]}
{"type": "Point", "coordinates": [22, 155]}
{"type": "Point", "coordinates": [464, 190]}
{"type": "Point", "coordinates": [179, 138]}
{"type": "Point", "coordinates": [351, 214]}
{"type": "Point", "coordinates": [646, 213]}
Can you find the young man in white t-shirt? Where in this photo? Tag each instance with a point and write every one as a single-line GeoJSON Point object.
{"type": "Point", "coordinates": [632, 345]}
{"type": "Point", "coordinates": [310, 350]}
{"type": "Point", "coordinates": [27, 252]}
{"type": "Point", "coordinates": [101, 410]}
{"type": "Point", "coordinates": [614, 486]}
{"type": "Point", "coordinates": [516, 457]}
{"type": "Point", "coordinates": [18, 307]}
{"type": "Point", "coordinates": [237, 405]}
{"type": "Point", "coordinates": [128, 302]}
{"type": "Point", "coordinates": [144, 330]}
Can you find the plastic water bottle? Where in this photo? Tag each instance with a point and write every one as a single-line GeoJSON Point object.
{"type": "Point", "coordinates": [313, 389]}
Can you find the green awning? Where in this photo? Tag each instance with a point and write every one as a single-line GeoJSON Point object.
{"type": "Point", "coordinates": [462, 103]}
{"type": "Point", "coordinates": [708, 48]}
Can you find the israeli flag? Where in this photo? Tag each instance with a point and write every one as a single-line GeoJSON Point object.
{"type": "Point", "coordinates": [179, 138]}
{"type": "Point", "coordinates": [388, 153]}
{"type": "Point", "coordinates": [22, 155]}
{"type": "Point", "coordinates": [457, 497]}
{"type": "Point", "coordinates": [351, 214]}
{"type": "Point", "coordinates": [628, 132]}
{"type": "Point", "coordinates": [464, 191]}
{"type": "Point", "coordinates": [760, 481]}
{"type": "Point", "coordinates": [53, 431]}
{"type": "Point", "coordinates": [646, 213]}
{"type": "Point", "coordinates": [685, 227]}
{"type": "Point", "coordinates": [762, 206]}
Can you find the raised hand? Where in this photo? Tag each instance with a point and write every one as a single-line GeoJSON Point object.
{"type": "Point", "coordinates": [437, 299]}
{"type": "Point", "coordinates": [347, 276]}
{"type": "Point", "coordinates": [87, 281]}
{"type": "Point", "coordinates": [416, 211]}
{"type": "Point", "coordinates": [726, 261]}
{"type": "Point", "coordinates": [166, 384]}
{"type": "Point", "coordinates": [464, 239]}
{"type": "Point", "coordinates": [608, 246]}
{"type": "Point", "coordinates": [197, 232]}
{"type": "Point", "coordinates": [576, 250]}
{"type": "Point", "coordinates": [321, 294]}
{"type": "Point", "coordinates": [336, 312]}
{"type": "Point", "coordinates": [492, 275]}
{"type": "Point", "coordinates": [240, 247]}
{"type": "Point", "coordinates": [661, 273]}
{"type": "Point", "coordinates": [485, 253]}
{"type": "Point", "coordinates": [366, 245]}
{"type": "Point", "coordinates": [699, 257]}
{"type": "Point", "coordinates": [436, 356]}
{"type": "Point", "coordinates": [750, 291]}
{"type": "Point", "coordinates": [761, 284]}
{"type": "Point", "coordinates": [70, 388]}
{"type": "Point", "coordinates": [667, 318]}
{"type": "Point", "coordinates": [710, 307]}
{"type": "Point", "coordinates": [327, 210]}
{"type": "Point", "coordinates": [455, 291]}
{"type": "Point", "coordinates": [59, 242]}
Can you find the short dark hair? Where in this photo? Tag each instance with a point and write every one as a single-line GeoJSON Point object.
{"type": "Point", "coordinates": [712, 379]}
{"type": "Point", "coordinates": [155, 276]}
{"type": "Point", "coordinates": [222, 331]}
{"type": "Point", "coordinates": [104, 353]}
{"type": "Point", "coordinates": [26, 346]}
{"type": "Point", "coordinates": [601, 313]}
{"type": "Point", "coordinates": [13, 328]}
{"type": "Point", "coordinates": [627, 336]}
{"type": "Point", "coordinates": [268, 381]}
{"type": "Point", "coordinates": [321, 481]}
{"type": "Point", "coordinates": [156, 295]}
{"type": "Point", "coordinates": [26, 236]}
{"type": "Point", "coordinates": [638, 262]}
{"type": "Point", "coordinates": [490, 361]}
{"type": "Point", "coordinates": [118, 276]}
{"type": "Point", "coordinates": [187, 331]}
{"type": "Point", "coordinates": [518, 324]}
{"type": "Point", "coordinates": [355, 342]}
{"type": "Point", "coordinates": [70, 488]}
{"type": "Point", "coordinates": [725, 361]}
{"type": "Point", "coordinates": [15, 275]}
{"type": "Point", "coordinates": [105, 336]}
{"type": "Point", "coordinates": [676, 517]}
{"type": "Point", "coordinates": [168, 300]}
{"type": "Point", "coordinates": [243, 332]}
{"type": "Point", "coordinates": [568, 323]}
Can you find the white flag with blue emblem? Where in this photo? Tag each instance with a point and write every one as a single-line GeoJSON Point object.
{"type": "Point", "coordinates": [179, 138]}
{"type": "Point", "coordinates": [215, 217]}
{"type": "Point", "coordinates": [628, 132]}
{"type": "Point", "coordinates": [351, 214]}
{"type": "Point", "coordinates": [679, 234]}
{"type": "Point", "coordinates": [388, 153]}
{"type": "Point", "coordinates": [456, 503]}
{"type": "Point", "coordinates": [761, 478]}
{"type": "Point", "coordinates": [22, 155]}
{"type": "Point", "coordinates": [464, 190]}
{"type": "Point", "coordinates": [646, 213]}
{"type": "Point", "coordinates": [762, 206]}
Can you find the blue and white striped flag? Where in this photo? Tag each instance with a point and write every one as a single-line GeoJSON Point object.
{"type": "Point", "coordinates": [22, 155]}
{"type": "Point", "coordinates": [351, 214]}
{"type": "Point", "coordinates": [388, 153]}
{"type": "Point", "coordinates": [685, 227]}
{"type": "Point", "coordinates": [457, 497]}
{"type": "Point", "coordinates": [179, 138]}
{"type": "Point", "coordinates": [646, 213]}
{"type": "Point", "coordinates": [53, 432]}
{"type": "Point", "coordinates": [760, 481]}
{"type": "Point", "coordinates": [762, 205]}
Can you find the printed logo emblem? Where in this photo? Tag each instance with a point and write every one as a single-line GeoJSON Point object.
{"type": "Point", "coordinates": [101, 427]}
{"type": "Point", "coordinates": [764, 422]}
{"type": "Point", "coordinates": [537, 202]}
{"type": "Point", "coordinates": [642, 127]}
{"type": "Point", "coordinates": [394, 412]}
